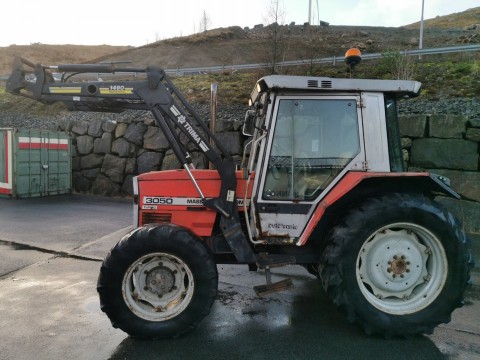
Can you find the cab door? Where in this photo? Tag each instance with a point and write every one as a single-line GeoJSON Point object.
{"type": "Point", "coordinates": [312, 142]}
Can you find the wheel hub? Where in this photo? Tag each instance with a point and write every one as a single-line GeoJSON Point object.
{"type": "Point", "coordinates": [398, 265]}
{"type": "Point", "coordinates": [393, 263]}
{"type": "Point", "coordinates": [160, 280]}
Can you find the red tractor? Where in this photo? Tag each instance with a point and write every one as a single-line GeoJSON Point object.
{"type": "Point", "coordinates": [322, 185]}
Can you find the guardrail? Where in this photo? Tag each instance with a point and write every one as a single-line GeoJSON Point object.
{"type": "Point", "coordinates": [325, 60]}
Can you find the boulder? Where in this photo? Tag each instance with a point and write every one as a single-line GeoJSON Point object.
{"type": "Point", "coordinates": [447, 126]}
{"type": "Point", "coordinates": [231, 141]}
{"type": "Point", "coordinates": [131, 166]}
{"type": "Point", "coordinates": [444, 153]}
{"type": "Point", "coordinates": [473, 134]}
{"type": "Point", "coordinates": [103, 145]}
{"type": "Point", "coordinates": [109, 126]}
{"type": "Point", "coordinates": [134, 133]}
{"type": "Point", "coordinates": [91, 174]}
{"type": "Point", "coordinates": [95, 128]}
{"type": "Point", "coordinates": [120, 130]}
{"type": "Point", "coordinates": [123, 148]}
{"type": "Point", "coordinates": [127, 186]}
{"type": "Point", "coordinates": [80, 127]}
{"type": "Point", "coordinates": [154, 139]}
{"type": "Point", "coordinates": [412, 125]}
{"type": "Point", "coordinates": [170, 162]}
{"type": "Point", "coordinates": [149, 161]}
{"type": "Point", "coordinates": [91, 161]}
{"type": "Point", "coordinates": [114, 167]}
{"type": "Point", "coordinates": [105, 187]}
{"type": "Point", "coordinates": [84, 144]}
{"type": "Point", "coordinates": [80, 183]}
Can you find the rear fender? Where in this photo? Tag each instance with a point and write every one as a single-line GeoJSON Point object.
{"type": "Point", "coordinates": [356, 186]}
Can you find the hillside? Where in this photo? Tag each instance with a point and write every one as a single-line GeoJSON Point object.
{"type": "Point", "coordinates": [54, 54]}
{"type": "Point", "coordinates": [234, 45]}
{"type": "Point", "coordinates": [463, 20]}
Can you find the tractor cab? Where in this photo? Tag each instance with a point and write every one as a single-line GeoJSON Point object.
{"type": "Point", "coordinates": [308, 133]}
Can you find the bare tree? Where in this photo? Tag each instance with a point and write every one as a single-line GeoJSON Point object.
{"type": "Point", "coordinates": [205, 22]}
{"type": "Point", "coordinates": [276, 38]}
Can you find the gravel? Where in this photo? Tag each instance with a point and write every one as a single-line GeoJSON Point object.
{"type": "Point", "coordinates": [230, 113]}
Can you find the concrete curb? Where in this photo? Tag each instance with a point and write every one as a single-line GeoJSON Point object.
{"type": "Point", "coordinates": [98, 249]}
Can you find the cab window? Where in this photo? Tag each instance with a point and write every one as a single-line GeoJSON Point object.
{"type": "Point", "coordinates": [313, 141]}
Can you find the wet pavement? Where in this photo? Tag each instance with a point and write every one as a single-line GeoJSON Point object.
{"type": "Point", "coordinates": [49, 306]}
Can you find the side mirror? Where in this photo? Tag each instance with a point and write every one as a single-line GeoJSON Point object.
{"type": "Point", "coordinates": [249, 123]}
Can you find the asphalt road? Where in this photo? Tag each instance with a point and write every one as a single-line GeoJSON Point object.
{"type": "Point", "coordinates": [49, 263]}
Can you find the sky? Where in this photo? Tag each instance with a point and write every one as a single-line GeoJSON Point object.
{"type": "Point", "coordinates": [139, 22]}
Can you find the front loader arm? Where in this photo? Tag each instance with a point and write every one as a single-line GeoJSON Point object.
{"type": "Point", "coordinates": [154, 92]}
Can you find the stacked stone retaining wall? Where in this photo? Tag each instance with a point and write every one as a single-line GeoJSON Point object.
{"type": "Point", "coordinates": [447, 145]}
{"type": "Point", "coordinates": [108, 152]}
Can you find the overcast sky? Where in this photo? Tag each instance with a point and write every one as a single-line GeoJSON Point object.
{"type": "Point", "coordinates": [94, 22]}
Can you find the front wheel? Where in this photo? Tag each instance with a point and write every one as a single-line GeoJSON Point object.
{"type": "Point", "coordinates": [157, 282]}
{"type": "Point", "coordinates": [397, 265]}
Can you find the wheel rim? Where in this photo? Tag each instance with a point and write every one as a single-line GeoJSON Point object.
{"type": "Point", "coordinates": [158, 286]}
{"type": "Point", "coordinates": [401, 268]}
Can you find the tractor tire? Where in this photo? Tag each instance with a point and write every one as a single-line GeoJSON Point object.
{"type": "Point", "coordinates": [158, 282]}
{"type": "Point", "coordinates": [397, 265]}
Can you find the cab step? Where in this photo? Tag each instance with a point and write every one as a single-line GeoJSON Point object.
{"type": "Point", "coordinates": [262, 290]}
{"type": "Point", "coordinates": [268, 261]}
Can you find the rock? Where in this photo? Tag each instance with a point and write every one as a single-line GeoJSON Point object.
{"type": "Point", "coordinates": [84, 144]}
{"type": "Point", "coordinates": [120, 130]}
{"type": "Point", "coordinates": [123, 148]}
{"type": "Point", "coordinates": [109, 126]}
{"type": "Point", "coordinates": [149, 161]}
{"type": "Point", "coordinates": [113, 167]}
{"type": "Point", "coordinates": [80, 183]}
{"type": "Point", "coordinates": [474, 122]}
{"type": "Point", "coordinates": [199, 160]}
{"type": "Point", "coordinates": [127, 187]}
{"type": "Point", "coordinates": [473, 134]}
{"type": "Point", "coordinates": [413, 41]}
{"type": "Point", "coordinates": [447, 126]}
{"type": "Point", "coordinates": [231, 141]}
{"type": "Point", "coordinates": [76, 163]}
{"type": "Point", "coordinates": [468, 212]}
{"type": "Point", "coordinates": [412, 125]}
{"type": "Point", "coordinates": [170, 162]}
{"type": "Point", "coordinates": [103, 145]}
{"type": "Point", "coordinates": [95, 128]}
{"type": "Point", "coordinates": [80, 127]}
{"type": "Point", "coordinates": [131, 166]}
{"type": "Point", "coordinates": [154, 139]}
{"type": "Point", "coordinates": [406, 143]}
{"type": "Point", "coordinates": [444, 153]}
{"type": "Point", "coordinates": [105, 187]}
{"type": "Point", "coordinates": [91, 174]}
{"type": "Point", "coordinates": [134, 133]}
{"type": "Point", "coordinates": [91, 161]}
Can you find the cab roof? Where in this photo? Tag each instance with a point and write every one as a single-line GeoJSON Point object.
{"type": "Point", "coordinates": [398, 88]}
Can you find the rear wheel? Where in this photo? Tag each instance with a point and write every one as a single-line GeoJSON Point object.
{"type": "Point", "coordinates": [158, 282]}
{"type": "Point", "coordinates": [397, 265]}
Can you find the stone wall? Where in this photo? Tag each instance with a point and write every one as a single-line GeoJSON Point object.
{"type": "Point", "coordinates": [108, 153]}
{"type": "Point", "coordinates": [447, 145]}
